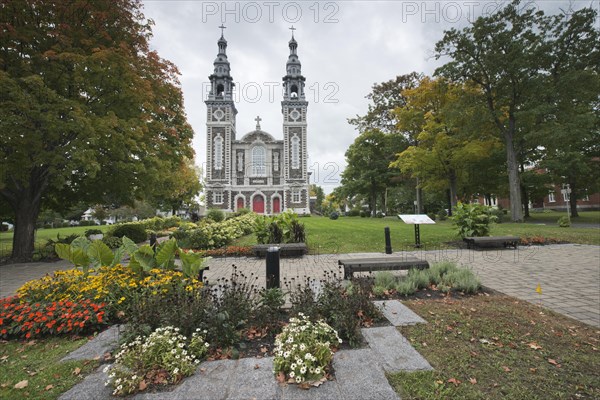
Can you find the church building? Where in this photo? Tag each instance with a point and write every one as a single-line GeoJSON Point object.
{"type": "Point", "coordinates": [256, 171]}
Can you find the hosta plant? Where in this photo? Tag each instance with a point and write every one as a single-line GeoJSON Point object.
{"type": "Point", "coordinates": [303, 351]}
{"type": "Point", "coordinates": [473, 219]}
{"type": "Point", "coordinates": [164, 357]}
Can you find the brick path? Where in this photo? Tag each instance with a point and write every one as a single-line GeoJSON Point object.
{"type": "Point", "coordinates": [568, 274]}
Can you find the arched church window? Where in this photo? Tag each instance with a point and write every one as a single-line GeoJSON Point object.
{"type": "Point", "coordinates": [218, 153]}
{"type": "Point", "coordinates": [295, 152]}
{"type": "Point", "coordinates": [294, 91]}
{"type": "Point", "coordinates": [220, 90]}
{"type": "Point", "coordinates": [259, 161]}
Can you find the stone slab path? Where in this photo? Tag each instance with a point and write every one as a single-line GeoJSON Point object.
{"type": "Point", "coordinates": [359, 374]}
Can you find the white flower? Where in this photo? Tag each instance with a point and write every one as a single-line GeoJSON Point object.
{"type": "Point", "coordinates": [293, 366]}
{"type": "Point", "coordinates": [206, 344]}
{"type": "Point", "coordinates": [175, 371]}
{"type": "Point", "coordinates": [308, 356]}
{"type": "Point", "coordinates": [173, 351]}
{"type": "Point", "coordinates": [303, 370]}
{"type": "Point", "coordinates": [286, 354]}
{"type": "Point", "coordinates": [298, 379]}
{"type": "Point", "coordinates": [318, 370]}
{"type": "Point", "coordinates": [119, 387]}
{"type": "Point", "coordinates": [302, 347]}
{"type": "Point", "coordinates": [292, 374]}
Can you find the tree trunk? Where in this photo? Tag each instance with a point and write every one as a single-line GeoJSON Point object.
{"type": "Point", "coordinates": [373, 202]}
{"type": "Point", "coordinates": [514, 181]}
{"type": "Point", "coordinates": [448, 198]}
{"type": "Point", "coordinates": [573, 200]}
{"type": "Point", "coordinates": [26, 213]}
{"type": "Point", "coordinates": [525, 197]}
{"type": "Point", "coordinates": [453, 196]}
{"type": "Point", "coordinates": [419, 209]}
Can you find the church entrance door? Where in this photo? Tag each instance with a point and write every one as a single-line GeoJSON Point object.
{"type": "Point", "coordinates": [240, 203]}
{"type": "Point", "coordinates": [258, 204]}
{"type": "Point", "coordinates": [276, 205]}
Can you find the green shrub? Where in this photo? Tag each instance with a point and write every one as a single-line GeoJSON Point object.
{"type": "Point", "coordinates": [92, 231]}
{"type": "Point", "coordinates": [363, 214]}
{"type": "Point", "coordinates": [442, 215]}
{"type": "Point", "coordinates": [241, 211]}
{"type": "Point", "coordinates": [499, 214]}
{"type": "Point", "coordinates": [432, 215]}
{"type": "Point", "coordinates": [406, 287]}
{"type": "Point", "coordinates": [334, 215]}
{"type": "Point", "coordinates": [112, 242]}
{"type": "Point", "coordinates": [215, 214]}
{"type": "Point", "coordinates": [442, 268]}
{"type": "Point", "coordinates": [283, 228]}
{"type": "Point", "coordinates": [473, 219]}
{"type": "Point", "coordinates": [81, 223]}
{"type": "Point", "coordinates": [355, 212]}
{"type": "Point", "coordinates": [462, 280]}
{"type": "Point", "coordinates": [564, 222]}
{"type": "Point", "coordinates": [379, 214]}
{"type": "Point", "coordinates": [133, 230]}
{"type": "Point", "coordinates": [420, 278]}
{"type": "Point", "coordinates": [385, 279]}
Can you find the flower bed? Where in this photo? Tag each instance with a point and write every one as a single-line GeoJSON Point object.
{"type": "Point", "coordinates": [164, 357]}
{"type": "Point", "coordinates": [229, 251]}
{"type": "Point", "coordinates": [28, 320]}
{"type": "Point", "coordinates": [304, 350]}
{"type": "Point", "coordinates": [112, 286]}
{"type": "Point", "coordinates": [211, 235]}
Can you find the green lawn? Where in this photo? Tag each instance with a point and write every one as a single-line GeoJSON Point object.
{"type": "Point", "coordinates": [551, 217]}
{"type": "Point", "coordinates": [355, 234]}
{"type": "Point", "coordinates": [42, 236]}
{"type": "Point", "coordinates": [497, 347]}
{"type": "Point", "coordinates": [36, 362]}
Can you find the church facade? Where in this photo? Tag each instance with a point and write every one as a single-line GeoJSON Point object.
{"type": "Point", "coordinates": [256, 171]}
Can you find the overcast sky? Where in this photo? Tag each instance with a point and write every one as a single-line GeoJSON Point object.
{"type": "Point", "coordinates": [344, 46]}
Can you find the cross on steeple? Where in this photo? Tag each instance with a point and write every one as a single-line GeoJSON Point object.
{"type": "Point", "coordinates": [258, 119]}
{"type": "Point", "coordinates": [222, 27]}
{"type": "Point", "coordinates": [292, 29]}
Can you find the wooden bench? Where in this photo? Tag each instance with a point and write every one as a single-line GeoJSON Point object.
{"type": "Point", "coordinates": [352, 265]}
{"type": "Point", "coordinates": [492, 241]}
{"type": "Point", "coordinates": [285, 249]}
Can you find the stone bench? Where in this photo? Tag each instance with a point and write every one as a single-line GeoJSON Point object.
{"type": "Point", "coordinates": [492, 241]}
{"type": "Point", "coordinates": [285, 249]}
{"type": "Point", "coordinates": [352, 265]}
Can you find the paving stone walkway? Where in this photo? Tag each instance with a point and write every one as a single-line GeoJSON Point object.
{"type": "Point", "coordinates": [359, 374]}
{"type": "Point", "coordinates": [569, 274]}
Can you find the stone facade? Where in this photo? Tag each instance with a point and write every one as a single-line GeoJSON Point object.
{"type": "Point", "coordinates": [257, 172]}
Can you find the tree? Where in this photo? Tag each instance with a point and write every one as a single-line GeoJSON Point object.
{"type": "Point", "coordinates": [368, 160]}
{"type": "Point", "coordinates": [454, 144]}
{"type": "Point", "coordinates": [100, 213]}
{"type": "Point", "coordinates": [386, 97]}
{"type": "Point", "coordinates": [501, 53]}
{"type": "Point", "coordinates": [178, 187]}
{"type": "Point", "coordinates": [317, 191]}
{"type": "Point", "coordinates": [569, 127]}
{"type": "Point", "coordinates": [87, 111]}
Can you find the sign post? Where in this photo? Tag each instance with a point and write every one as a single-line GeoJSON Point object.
{"type": "Point", "coordinates": [416, 220]}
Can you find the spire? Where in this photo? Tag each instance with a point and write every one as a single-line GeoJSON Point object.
{"type": "Point", "coordinates": [221, 80]}
{"type": "Point", "coordinates": [293, 80]}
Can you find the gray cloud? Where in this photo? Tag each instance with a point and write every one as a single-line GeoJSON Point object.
{"type": "Point", "coordinates": [371, 42]}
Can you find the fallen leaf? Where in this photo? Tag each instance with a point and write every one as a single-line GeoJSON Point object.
{"type": "Point", "coordinates": [505, 368]}
{"type": "Point", "coordinates": [534, 346]}
{"type": "Point", "coordinates": [143, 385]}
{"type": "Point", "coordinates": [3, 358]}
{"type": "Point", "coordinates": [473, 310]}
{"type": "Point", "coordinates": [202, 369]}
{"type": "Point", "coordinates": [533, 370]}
{"type": "Point", "coordinates": [263, 350]}
{"type": "Point", "coordinates": [439, 382]}
{"type": "Point", "coordinates": [77, 371]}
{"type": "Point", "coordinates": [455, 381]}
{"type": "Point", "coordinates": [32, 373]}
{"type": "Point", "coordinates": [256, 366]}
{"type": "Point", "coordinates": [49, 387]}
{"type": "Point", "coordinates": [21, 385]}
{"type": "Point", "coordinates": [554, 362]}
{"type": "Point", "coordinates": [473, 381]}
{"type": "Point", "coordinates": [281, 377]}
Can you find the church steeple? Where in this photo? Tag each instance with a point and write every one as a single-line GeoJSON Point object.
{"type": "Point", "coordinates": [293, 81]}
{"type": "Point", "coordinates": [221, 80]}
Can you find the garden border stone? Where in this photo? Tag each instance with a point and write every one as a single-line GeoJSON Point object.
{"type": "Point", "coordinates": [397, 313]}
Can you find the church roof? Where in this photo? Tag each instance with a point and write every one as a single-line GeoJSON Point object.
{"type": "Point", "coordinates": [257, 134]}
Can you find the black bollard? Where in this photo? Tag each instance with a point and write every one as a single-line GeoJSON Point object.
{"type": "Point", "coordinates": [388, 241]}
{"type": "Point", "coordinates": [153, 241]}
{"type": "Point", "coordinates": [272, 267]}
